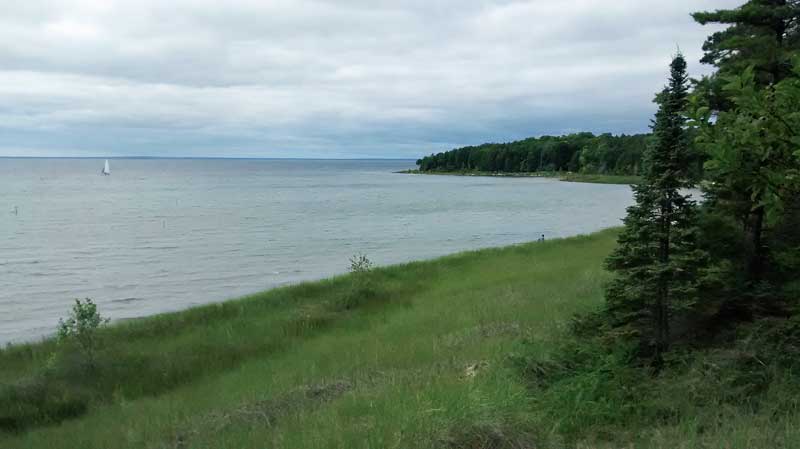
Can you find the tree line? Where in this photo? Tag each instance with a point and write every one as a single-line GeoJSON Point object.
{"type": "Point", "coordinates": [686, 270]}
{"type": "Point", "coordinates": [580, 152]}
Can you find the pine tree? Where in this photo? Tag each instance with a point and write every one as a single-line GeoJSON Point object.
{"type": "Point", "coordinates": [763, 36]}
{"type": "Point", "coordinates": [754, 168]}
{"type": "Point", "coordinates": [656, 261]}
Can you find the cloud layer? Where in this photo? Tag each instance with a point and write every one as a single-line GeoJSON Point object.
{"type": "Point", "coordinates": [329, 78]}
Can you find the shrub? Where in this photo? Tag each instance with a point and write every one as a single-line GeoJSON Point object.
{"type": "Point", "coordinates": [361, 287]}
{"type": "Point", "coordinates": [81, 328]}
{"type": "Point", "coordinates": [359, 263]}
{"type": "Point", "coordinates": [38, 401]}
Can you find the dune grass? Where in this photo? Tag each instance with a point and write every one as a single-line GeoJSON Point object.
{"type": "Point", "coordinates": [424, 359]}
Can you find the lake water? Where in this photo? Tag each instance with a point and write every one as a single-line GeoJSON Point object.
{"type": "Point", "coordinates": [163, 235]}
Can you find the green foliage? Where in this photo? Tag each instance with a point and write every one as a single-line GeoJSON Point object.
{"type": "Point", "coordinates": [601, 179]}
{"type": "Point", "coordinates": [81, 328]}
{"type": "Point", "coordinates": [360, 264]}
{"type": "Point", "coordinates": [673, 274]}
{"type": "Point", "coordinates": [205, 377]}
{"type": "Point", "coordinates": [156, 355]}
{"type": "Point", "coordinates": [426, 368]}
{"type": "Point", "coordinates": [753, 147]}
{"type": "Point", "coordinates": [762, 34]}
{"type": "Point", "coordinates": [301, 367]}
{"type": "Point", "coordinates": [582, 152]}
{"type": "Point", "coordinates": [362, 288]}
{"type": "Point", "coordinates": [584, 387]}
{"type": "Point", "coordinates": [747, 117]}
{"type": "Point", "coordinates": [589, 390]}
{"type": "Point", "coordinates": [754, 169]}
{"type": "Point", "coordinates": [657, 262]}
{"type": "Point", "coordinates": [37, 402]}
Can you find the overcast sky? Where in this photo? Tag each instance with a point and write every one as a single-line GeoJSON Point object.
{"type": "Point", "coordinates": [329, 78]}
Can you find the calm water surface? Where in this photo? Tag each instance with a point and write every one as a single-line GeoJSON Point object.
{"type": "Point", "coordinates": [163, 235]}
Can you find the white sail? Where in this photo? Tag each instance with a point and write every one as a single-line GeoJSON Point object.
{"type": "Point", "coordinates": [106, 169]}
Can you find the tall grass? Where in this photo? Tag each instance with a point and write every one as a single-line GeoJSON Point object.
{"type": "Point", "coordinates": [423, 362]}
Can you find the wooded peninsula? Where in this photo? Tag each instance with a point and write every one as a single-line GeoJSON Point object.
{"type": "Point", "coordinates": [581, 152]}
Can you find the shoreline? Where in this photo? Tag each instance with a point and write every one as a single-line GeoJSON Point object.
{"type": "Point", "coordinates": [49, 339]}
{"type": "Point", "coordinates": [449, 339]}
{"type": "Point", "coordinates": [565, 177]}
{"type": "Point", "coordinates": [412, 326]}
{"type": "Point", "coordinates": [289, 252]}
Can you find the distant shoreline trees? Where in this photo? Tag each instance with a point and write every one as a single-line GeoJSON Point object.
{"type": "Point", "coordinates": [581, 152]}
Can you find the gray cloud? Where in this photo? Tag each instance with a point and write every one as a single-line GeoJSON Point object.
{"type": "Point", "coordinates": [325, 78]}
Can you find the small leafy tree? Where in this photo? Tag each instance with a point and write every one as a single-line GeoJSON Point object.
{"type": "Point", "coordinates": [359, 263]}
{"type": "Point", "coordinates": [81, 328]}
{"type": "Point", "coordinates": [361, 287]}
{"type": "Point", "coordinates": [754, 168]}
{"type": "Point", "coordinates": [753, 56]}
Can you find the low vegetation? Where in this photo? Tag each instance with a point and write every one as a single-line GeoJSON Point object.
{"type": "Point", "coordinates": [473, 350]}
{"type": "Point", "coordinates": [601, 179]}
{"type": "Point", "coordinates": [422, 363]}
{"type": "Point", "coordinates": [81, 329]}
{"type": "Point", "coordinates": [568, 177]}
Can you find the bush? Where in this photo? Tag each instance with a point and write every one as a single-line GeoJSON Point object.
{"type": "Point", "coordinates": [587, 388]}
{"type": "Point", "coordinates": [37, 402]}
{"type": "Point", "coordinates": [81, 328]}
{"type": "Point", "coordinates": [361, 287]}
{"type": "Point", "coordinates": [359, 263]}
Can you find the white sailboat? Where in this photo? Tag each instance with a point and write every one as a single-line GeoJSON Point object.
{"type": "Point", "coordinates": [106, 169]}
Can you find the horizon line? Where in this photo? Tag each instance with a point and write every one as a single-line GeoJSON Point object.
{"type": "Point", "coordinates": [220, 157]}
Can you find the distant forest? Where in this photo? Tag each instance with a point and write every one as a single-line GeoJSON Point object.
{"type": "Point", "coordinates": [581, 152]}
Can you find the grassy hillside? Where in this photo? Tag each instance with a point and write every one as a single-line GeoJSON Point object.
{"type": "Point", "coordinates": [423, 357]}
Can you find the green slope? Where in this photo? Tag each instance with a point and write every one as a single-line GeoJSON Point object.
{"type": "Point", "coordinates": [421, 362]}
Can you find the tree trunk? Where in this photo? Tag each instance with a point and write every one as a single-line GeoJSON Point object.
{"type": "Point", "coordinates": [755, 266]}
{"type": "Point", "coordinates": [662, 315]}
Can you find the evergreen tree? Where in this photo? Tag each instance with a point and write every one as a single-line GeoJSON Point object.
{"type": "Point", "coordinates": [763, 35]}
{"type": "Point", "coordinates": [656, 261]}
{"type": "Point", "coordinates": [755, 166]}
